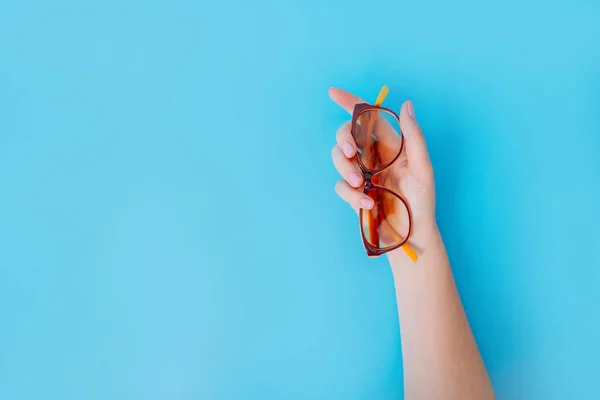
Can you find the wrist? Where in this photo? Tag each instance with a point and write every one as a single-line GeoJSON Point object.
{"type": "Point", "coordinates": [426, 241]}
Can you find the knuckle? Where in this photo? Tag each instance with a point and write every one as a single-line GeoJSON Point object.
{"type": "Point", "coordinates": [339, 188]}
{"type": "Point", "coordinates": [335, 151]}
{"type": "Point", "coordinates": [343, 130]}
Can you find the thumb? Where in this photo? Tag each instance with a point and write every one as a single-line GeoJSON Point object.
{"type": "Point", "coordinates": [416, 149]}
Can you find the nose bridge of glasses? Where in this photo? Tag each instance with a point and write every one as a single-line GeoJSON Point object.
{"type": "Point", "coordinates": [367, 176]}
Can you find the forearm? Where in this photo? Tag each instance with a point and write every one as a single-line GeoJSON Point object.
{"type": "Point", "coordinates": [440, 355]}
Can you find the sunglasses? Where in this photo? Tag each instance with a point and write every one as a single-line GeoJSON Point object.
{"type": "Point", "coordinates": [379, 142]}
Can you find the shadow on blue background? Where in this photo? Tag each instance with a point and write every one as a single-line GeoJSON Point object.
{"type": "Point", "coordinates": [168, 225]}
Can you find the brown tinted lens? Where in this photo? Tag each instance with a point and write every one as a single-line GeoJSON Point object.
{"type": "Point", "coordinates": [388, 222]}
{"type": "Point", "coordinates": [378, 138]}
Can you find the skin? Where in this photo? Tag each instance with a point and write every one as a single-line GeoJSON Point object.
{"type": "Point", "coordinates": [440, 356]}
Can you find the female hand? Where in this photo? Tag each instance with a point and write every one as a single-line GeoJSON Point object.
{"type": "Point", "coordinates": [411, 175]}
{"type": "Point", "coordinates": [440, 357]}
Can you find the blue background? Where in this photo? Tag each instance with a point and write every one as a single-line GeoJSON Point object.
{"type": "Point", "coordinates": [168, 225]}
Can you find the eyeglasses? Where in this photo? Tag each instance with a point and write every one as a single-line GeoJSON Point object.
{"type": "Point", "coordinates": [379, 141]}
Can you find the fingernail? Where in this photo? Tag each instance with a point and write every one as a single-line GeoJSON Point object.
{"type": "Point", "coordinates": [366, 202]}
{"type": "Point", "coordinates": [410, 108]}
{"type": "Point", "coordinates": [348, 148]}
{"type": "Point", "coordinates": [355, 179]}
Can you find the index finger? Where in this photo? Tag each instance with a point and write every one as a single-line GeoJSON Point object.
{"type": "Point", "coordinates": [345, 99]}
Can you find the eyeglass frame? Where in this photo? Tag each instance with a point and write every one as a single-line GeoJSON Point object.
{"type": "Point", "coordinates": [368, 174]}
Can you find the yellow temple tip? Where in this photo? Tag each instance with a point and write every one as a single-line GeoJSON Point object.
{"type": "Point", "coordinates": [381, 97]}
{"type": "Point", "coordinates": [410, 252]}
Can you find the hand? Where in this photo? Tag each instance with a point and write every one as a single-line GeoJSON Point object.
{"type": "Point", "coordinates": [411, 175]}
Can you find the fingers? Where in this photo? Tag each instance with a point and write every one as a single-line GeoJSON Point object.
{"type": "Point", "coordinates": [356, 198]}
{"type": "Point", "coordinates": [345, 140]}
{"type": "Point", "coordinates": [416, 149]}
{"type": "Point", "coordinates": [346, 167]}
{"type": "Point", "coordinates": [345, 99]}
